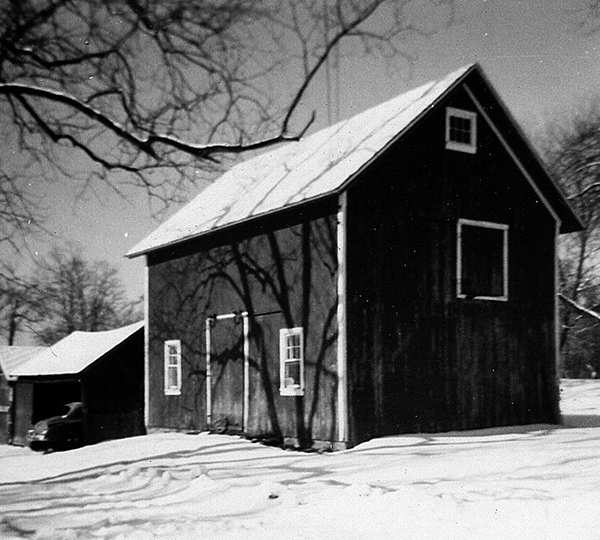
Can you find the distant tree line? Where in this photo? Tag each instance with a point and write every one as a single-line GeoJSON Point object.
{"type": "Point", "coordinates": [570, 146]}
{"type": "Point", "coordinates": [64, 293]}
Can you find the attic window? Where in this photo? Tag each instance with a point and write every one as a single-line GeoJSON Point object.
{"type": "Point", "coordinates": [482, 260]}
{"type": "Point", "coordinates": [291, 357]}
{"type": "Point", "coordinates": [461, 130]}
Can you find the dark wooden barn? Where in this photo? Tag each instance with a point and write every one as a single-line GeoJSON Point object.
{"type": "Point", "coordinates": [103, 370]}
{"type": "Point", "coordinates": [393, 273]}
{"type": "Point", "coordinates": [11, 358]}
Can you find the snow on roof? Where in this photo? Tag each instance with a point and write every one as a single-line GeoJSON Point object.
{"type": "Point", "coordinates": [299, 171]}
{"type": "Point", "coordinates": [75, 352]}
{"type": "Point", "coordinates": [11, 358]}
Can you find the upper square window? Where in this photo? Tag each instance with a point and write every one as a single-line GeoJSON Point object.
{"type": "Point", "coordinates": [461, 130]}
{"type": "Point", "coordinates": [482, 260]}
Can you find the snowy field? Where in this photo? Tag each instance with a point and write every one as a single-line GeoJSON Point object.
{"type": "Point", "coordinates": [532, 482]}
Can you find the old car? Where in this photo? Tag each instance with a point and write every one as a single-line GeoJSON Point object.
{"type": "Point", "coordinates": [58, 432]}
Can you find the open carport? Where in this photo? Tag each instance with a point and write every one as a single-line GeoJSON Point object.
{"type": "Point", "coordinates": [103, 370]}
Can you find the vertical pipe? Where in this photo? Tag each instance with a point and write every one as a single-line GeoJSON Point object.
{"type": "Point", "coordinates": [342, 344]}
{"type": "Point", "coordinates": [146, 344]}
{"type": "Point", "coordinates": [208, 375]}
{"type": "Point", "coordinates": [458, 251]}
{"type": "Point", "coordinates": [246, 412]}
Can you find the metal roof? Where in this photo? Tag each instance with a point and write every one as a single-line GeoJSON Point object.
{"type": "Point", "coordinates": [74, 353]}
{"type": "Point", "coordinates": [12, 357]}
{"type": "Point", "coordinates": [320, 165]}
{"type": "Point", "coordinates": [296, 172]}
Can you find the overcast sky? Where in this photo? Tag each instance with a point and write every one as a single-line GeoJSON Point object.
{"type": "Point", "coordinates": [531, 51]}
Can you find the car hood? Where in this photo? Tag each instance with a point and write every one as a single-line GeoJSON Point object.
{"type": "Point", "coordinates": [43, 425]}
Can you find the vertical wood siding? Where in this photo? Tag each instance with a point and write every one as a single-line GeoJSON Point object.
{"type": "Point", "coordinates": [112, 391]}
{"type": "Point", "coordinates": [421, 359]}
{"type": "Point", "coordinates": [284, 278]}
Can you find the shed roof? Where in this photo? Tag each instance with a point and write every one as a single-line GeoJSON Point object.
{"type": "Point", "coordinates": [12, 357]}
{"type": "Point", "coordinates": [298, 172]}
{"type": "Point", "coordinates": [74, 353]}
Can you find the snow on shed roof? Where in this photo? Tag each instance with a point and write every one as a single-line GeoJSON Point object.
{"type": "Point", "coordinates": [296, 172]}
{"type": "Point", "coordinates": [75, 352]}
{"type": "Point", "coordinates": [12, 357]}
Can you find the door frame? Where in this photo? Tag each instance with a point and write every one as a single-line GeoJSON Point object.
{"type": "Point", "coordinates": [246, 350]}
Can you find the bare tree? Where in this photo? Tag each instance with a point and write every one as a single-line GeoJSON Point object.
{"type": "Point", "coordinates": [571, 147]}
{"type": "Point", "coordinates": [157, 93]}
{"type": "Point", "coordinates": [75, 294]}
{"type": "Point", "coordinates": [18, 307]}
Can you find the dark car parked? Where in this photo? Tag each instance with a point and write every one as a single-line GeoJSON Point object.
{"type": "Point", "coordinates": [58, 432]}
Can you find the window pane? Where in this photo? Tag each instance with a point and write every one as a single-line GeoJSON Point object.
{"type": "Point", "coordinates": [460, 129]}
{"type": "Point", "coordinates": [482, 261]}
{"type": "Point", "coordinates": [172, 381]}
{"type": "Point", "coordinates": [292, 373]}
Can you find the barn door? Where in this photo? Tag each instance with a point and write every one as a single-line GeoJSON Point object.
{"type": "Point", "coordinates": [227, 372]}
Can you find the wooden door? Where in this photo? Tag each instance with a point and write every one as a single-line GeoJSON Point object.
{"type": "Point", "coordinates": [227, 374]}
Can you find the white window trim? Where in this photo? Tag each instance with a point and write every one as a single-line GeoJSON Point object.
{"type": "Point", "coordinates": [172, 390]}
{"type": "Point", "coordinates": [454, 145]}
{"type": "Point", "coordinates": [284, 333]}
{"type": "Point", "coordinates": [488, 225]}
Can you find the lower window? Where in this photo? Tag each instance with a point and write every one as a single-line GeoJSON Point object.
{"type": "Point", "coordinates": [482, 260]}
{"type": "Point", "coordinates": [172, 367]}
{"type": "Point", "coordinates": [291, 359]}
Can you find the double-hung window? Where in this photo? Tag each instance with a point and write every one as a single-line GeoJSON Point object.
{"type": "Point", "coordinates": [172, 367]}
{"type": "Point", "coordinates": [291, 358]}
{"type": "Point", "coordinates": [482, 260]}
{"type": "Point", "coordinates": [461, 130]}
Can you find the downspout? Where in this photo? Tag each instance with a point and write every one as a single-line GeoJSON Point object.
{"type": "Point", "coordinates": [342, 321]}
{"type": "Point", "coordinates": [246, 409]}
{"type": "Point", "coordinates": [146, 344]}
{"type": "Point", "coordinates": [208, 375]}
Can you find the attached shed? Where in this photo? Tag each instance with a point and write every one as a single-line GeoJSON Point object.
{"type": "Point", "coordinates": [103, 370]}
{"type": "Point", "coordinates": [393, 273]}
{"type": "Point", "coordinates": [11, 357]}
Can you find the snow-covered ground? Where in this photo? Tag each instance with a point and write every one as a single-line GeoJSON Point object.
{"type": "Point", "coordinates": [532, 482]}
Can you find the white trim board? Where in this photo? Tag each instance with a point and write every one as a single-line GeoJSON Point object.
{"type": "Point", "coordinates": [512, 154]}
{"type": "Point", "coordinates": [488, 225]}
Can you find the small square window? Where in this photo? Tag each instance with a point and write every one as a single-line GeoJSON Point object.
{"type": "Point", "coordinates": [461, 130]}
{"type": "Point", "coordinates": [482, 260]}
{"type": "Point", "coordinates": [172, 359]}
{"type": "Point", "coordinates": [291, 357]}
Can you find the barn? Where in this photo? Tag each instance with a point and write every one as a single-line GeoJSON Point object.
{"type": "Point", "coordinates": [103, 370]}
{"type": "Point", "coordinates": [392, 273]}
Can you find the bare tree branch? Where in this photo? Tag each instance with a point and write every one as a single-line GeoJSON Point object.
{"type": "Point", "coordinates": [172, 88]}
{"type": "Point", "coordinates": [579, 307]}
